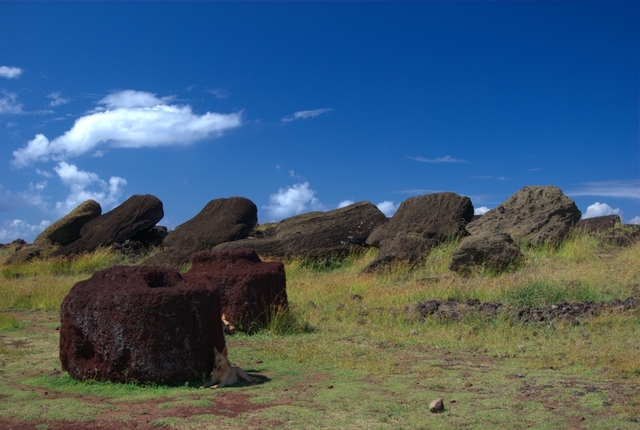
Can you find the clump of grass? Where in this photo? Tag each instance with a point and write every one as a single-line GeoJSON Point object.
{"type": "Point", "coordinates": [87, 263]}
{"type": "Point", "coordinates": [8, 322]}
{"type": "Point", "coordinates": [44, 282]}
{"type": "Point", "coordinates": [282, 320]}
{"type": "Point", "coordinates": [538, 293]}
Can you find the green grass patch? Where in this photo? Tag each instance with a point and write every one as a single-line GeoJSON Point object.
{"type": "Point", "coordinates": [8, 322]}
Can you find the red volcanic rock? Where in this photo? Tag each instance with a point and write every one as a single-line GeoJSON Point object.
{"type": "Point", "coordinates": [248, 287]}
{"type": "Point", "coordinates": [140, 323]}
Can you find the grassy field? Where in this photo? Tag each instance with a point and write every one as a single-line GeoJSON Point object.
{"type": "Point", "coordinates": [348, 353]}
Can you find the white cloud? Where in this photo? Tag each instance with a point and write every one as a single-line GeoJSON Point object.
{"type": "Point", "coordinates": [345, 203]}
{"type": "Point", "coordinates": [626, 189]}
{"type": "Point", "coordinates": [481, 210]}
{"type": "Point", "coordinates": [219, 93]}
{"type": "Point", "coordinates": [20, 229]}
{"type": "Point", "coordinates": [9, 104]}
{"type": "Point", "coordinates": [133, 99]}
{"type": "Point", "coordinates": [304, 114]}
{"type": "Point", "coordinates": [388, 208]}
{"type": "Point", "coordinates": [133, 119]}
{"type": "Point", "coordinates": [291, 201]}
{"type": "Point", "coordinates": [87, 185]}
{"type": "Point", "coordinates": [57, 99]}
{"type": "Point", "coordinates": [10, 72]}
{"type": "Point", "coordinates": [30, 198]}
{"type": "Point", "coordinates": [600, 209]}
{"type": "Point", "coordinates": [445, 159]}
{"type": "Point", "coordinates": [635, 220]}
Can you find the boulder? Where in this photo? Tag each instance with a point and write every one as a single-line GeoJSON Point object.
{"type": "Point", "coordinates": [221, 220]}
{"type": "Point", "coordinates": [67, 229]}
{"type": "Point", "coordinates": [249, 288]}
{"type": "Point", "coordinates": [437, 216]}
{"type": "Point", "coordinates": [496, 251]}
{"type": "Point", "coordinates": [419, 224]}
{"type": "Point", "coordinates": [140, 323]}
{"type": "Point", "coordinates": [317, 234]}
{"type": "Point", "coordinates": [62, 232]}
{"type": "Point", "coordinates": [535, 215]}
{"type": "Point", "coordinates": [436, 406]}
{"type": "Point", "coordinates": [136, 214]}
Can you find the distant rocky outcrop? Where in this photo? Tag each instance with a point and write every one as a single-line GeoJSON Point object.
{"type": "Point", "coordinates": [599, 223]}
{"type": "Point", "coordinates": [317, 234]}
{"type": "Point", "coordinates": [419, 224]}
{"type": "Point", "coordinates": [610, 230]}
{"type": "Point", "coordinates": [136, 214]}
{"type": "Point", "coordinates": [221, 220]}
{"type": "Point", "coordinates": [249, 288]}
{"type": "Point", "coordinates": [535, 215]}
{"type": "Point", "coordinates": [61, 233]}
{"type": "Point", "coordinates": [495, 251]}
{"type": "Point", "coordinates": [140, 323]}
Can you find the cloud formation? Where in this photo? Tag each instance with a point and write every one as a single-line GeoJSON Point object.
{"type": "Point", "coordinates": [304, 114]}
{"type": "Point", "coordinates": [626, 189]}
{"type": "Point", "coordinates": [345, 203]}
{"type": "Point", "coordinates": [30, 198]}
{"type": "Point", "coordinates": [600, 209]}
{"type": "Point", "coordinates": [9, 103]}
{"type": "Point", "coordinates": [10, 72]}
{"type": "Point", "coordinates": [293, 200]}
{"type": "Point", "coordinates": [17, 228]}
{"type": "Point", "coordinates": [481, 210]}
{"type": "Point", "coordinates": [388, 208]}
{"type": "Point", "coordinates": [87, 185]}
{"type": "Point", "coordinates": [445, 159]}
{"type": "Point", "coordinates": [57, 99]}
{"type": "Point", "coordinates": [129, 119]}
{"type": "Point", "coordinates": [219, 93]}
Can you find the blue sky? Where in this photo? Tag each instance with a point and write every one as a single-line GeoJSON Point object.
{"type": "Point", "coordinates": [304, 106]}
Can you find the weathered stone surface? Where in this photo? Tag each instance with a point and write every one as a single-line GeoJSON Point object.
{"type": "Point", "coordinates": [436, 406]}
{"type": "Point", "coordinates": [599, 223]}
{"type": "Point", "coordinates": [534, 214]}
{"type": "Point", "coordinates": [496, 251]}
{"type": "Point", "coordinates": [317, 234]}
{"type": "Point", "coordinates": [67, 229]}
{"type": "Point", "coordinates": [140, 323]}
{"type": "Point", "coordinates": [249, 288]}
{"type": "Point", "coordinates": [401, 249]}
{"type": "Point", "coordinates": [221, 220]}
{"type": "Point", "coordinates": [438, 216]}
{"type": "Point", "coordinates": [419, 224]}
{"type": "Point", "coordinates": [136, 214]}
{"type": "Point", "coordinates": [62, 232]}
{"type": "Point", "coordinates": [16, 243]}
